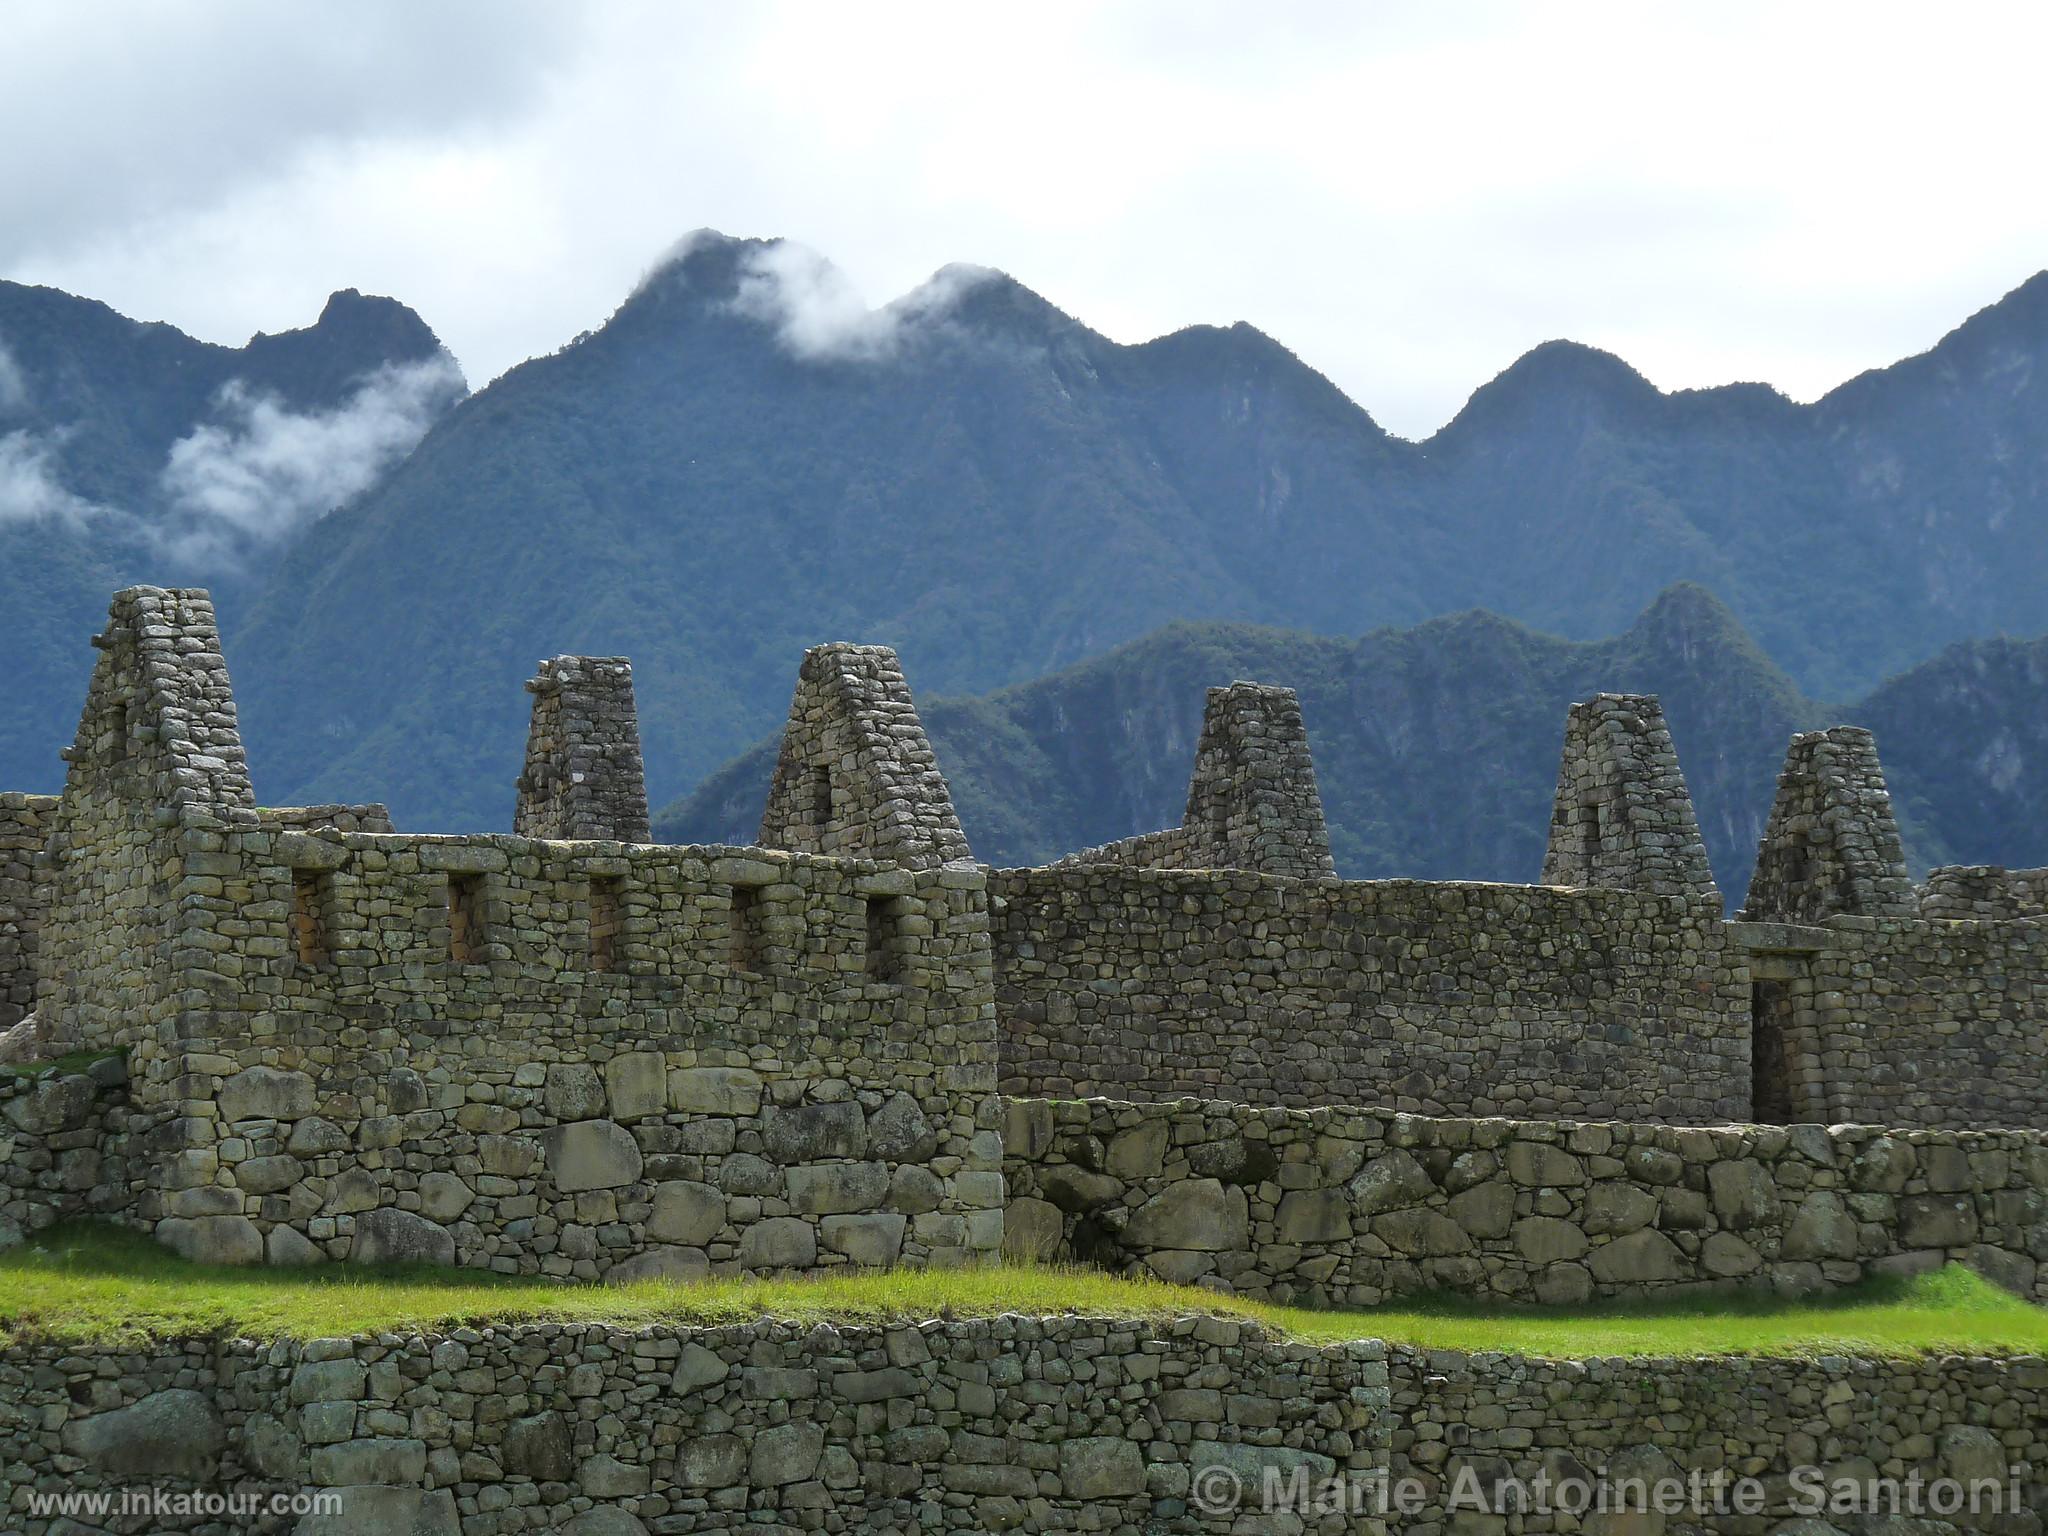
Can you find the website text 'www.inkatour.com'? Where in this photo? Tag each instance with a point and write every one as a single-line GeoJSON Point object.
{"type": "Point", "coordinates": [101, 1504]}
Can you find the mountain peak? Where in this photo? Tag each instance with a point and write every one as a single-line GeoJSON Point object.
{"type": "Point", "coordinates": [1556, 383]}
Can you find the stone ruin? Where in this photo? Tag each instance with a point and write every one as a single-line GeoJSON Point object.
{"type": "Point", "coordinates": [1194, 1053]}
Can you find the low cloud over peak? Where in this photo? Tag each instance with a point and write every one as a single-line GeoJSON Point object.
{"type": "Point", "coordinates": [818, 314]}
{"type": "Point", "coordinates": [262, 472]}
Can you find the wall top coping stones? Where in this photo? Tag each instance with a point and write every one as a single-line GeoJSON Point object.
{"type": "Point", "coordinates": [1403, 1129]}
{"type": "Point", "coordinates": [490, 852]}
{"type": "Point", "coordinates": [1450, 892]}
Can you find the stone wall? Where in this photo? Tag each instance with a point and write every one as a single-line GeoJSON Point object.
{"type": "Point", "coordinates": [1252, 799]}
{"type": "Point", "coordinates": [856, 774]}
{"type": "Point", "coordinates": [1041, 1424]}
{"type": "Point", "coordinates": [1900, 1021]}
{"type": "Point", "coordinates": [1055, 1424]}
{"type": "Point", "coordinates": [1984, 892]}
{"type": "Point", "coordinates": [565, 1057]}
{"type": "Point", "coordinates": [1354, 1206]}
{"type": "Point", "coordinates": [66, 1149]}
{"type": "Point", "coordinates": [1431, 997]}
{"type": "Point", "coordinates": [1800, 1429]}
{"type": "Point", "coordinates": [158, 749]}
{"type": "Point", "coordinates": [24, 828]}
{"type": "Point", "coordinates": [1622, 815]}
{"type": "Point", "coordinates": [583, 776]}
{"type": "Point", "coordinates": [1831, 846]}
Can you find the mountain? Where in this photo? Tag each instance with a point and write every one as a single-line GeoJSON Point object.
{"type": "Point", "coordinates": [1436, 747]}
{"type": "Point", "coordinates": [1965, 743]}
{"type": "Point", "coordinates": [743, 461]}
{"type": "Point", "coordinates": [132, 452]}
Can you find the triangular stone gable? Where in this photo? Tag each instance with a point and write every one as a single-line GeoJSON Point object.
{"type": "Point", "coordinates": [1832, 845]}
{"type": "Point", "coordinates": [856, 775]}
{"type": "Point", "coordinates": [159, 723]}
{"type": "Point", "coordinates": [1252, 798]}
{"type": "Point", "coordinates": [1622, 818]}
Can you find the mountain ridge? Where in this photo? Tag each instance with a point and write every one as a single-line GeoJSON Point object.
{"type": "Point", "coordinates": [1436, 746]}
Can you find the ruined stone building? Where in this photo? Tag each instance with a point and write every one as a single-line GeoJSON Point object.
{"type": "Point", "coordinates": [1194, 1052]}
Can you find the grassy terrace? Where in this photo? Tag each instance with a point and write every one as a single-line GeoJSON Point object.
{"type": "Point", "coordinates": [99, 1284]}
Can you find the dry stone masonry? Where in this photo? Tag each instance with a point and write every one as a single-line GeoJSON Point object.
{"type": "Point", "coordinates": [856, 774]}
{"type": "Point", "coordinates": [1031, 1424]}
{"type": "Point", "coordinates": [583, 776]}
{"type": "Point", "coordinates": [1252, 801]}
{"type": "Point", "coordinates": [566, 1051]}
{"type": "Point", "coordinates": [1831, 847]}
{"type": "Point", "coordinates": [1335, 1206]}
{"type": "Point", "coordinates": [1623, 818]}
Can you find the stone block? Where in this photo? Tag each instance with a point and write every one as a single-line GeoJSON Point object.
{"type": "Point", "coordinates": [873, 1242]}
{"type": "Point", "coordinates": [1202, 1215]}
{"type": "Point", "coordinates": [686, 1212]}
{"type": "Point", "coordinates": [1101, 1467]}
{"type": "Point", "coordinates": [780, 1242]}
{"type": "Point", "coordinates": [637, 1082]}
{"type": "Point", "coordinates": [391, 1236]}
{"type": "Point", "coordinates": [171, 1434]}
{"type": "Point", "coordinates": [265, 1093]}
{"type": "Point", "coordinates": [591, 1154]}
{"type": "Point", "coordinates": [715, 1091]}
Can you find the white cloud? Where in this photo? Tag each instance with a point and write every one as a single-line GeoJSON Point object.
{"type": "Point", "coordinates": [264, 472]}
{"type": "Point", "coordinates": [1409, 194]}
{"type": "Point", "coordinates": [818, 314]}
{"type": "Point", "coordinates": [30, 491]}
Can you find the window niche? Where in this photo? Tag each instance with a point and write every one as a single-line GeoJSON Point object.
{"type": "Point", "coordinates": [468, 926]}
{"type": "Point", "coordinates": [885, 958]}
{"type": "Point", "coordinates": [747, 945]}
{"type": "Point", "coordinates": [607, 921]}
{"type": "Point", "coordinates": [313, 916]}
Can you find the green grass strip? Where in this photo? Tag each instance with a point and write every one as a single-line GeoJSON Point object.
{"type": "Point", "coordinates": [92, 1284]}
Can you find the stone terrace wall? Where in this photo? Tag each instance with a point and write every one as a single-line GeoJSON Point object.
{"type": "Point", "coordinates": [1353, 1206]}
{"type": "Point", "coordinates": [418, 1047]}
{"type": "Point", "coordinates": [1058, 1424]}
{"type": "Point", "coordinates": [1469, 1420]}
{"type": "Point", "coordinates": [1984, 891]}
{"type": "Point", "coordinates": [1904, 1022]}
{"type": "Point", "coordinates": [65, 1148]}
{"type": "Point", "coordinates": [1430, 997]}
{"type": "Point", "coordinates": [24, 828]}
{"type": "Point", "coordinates": [1055, 1424]}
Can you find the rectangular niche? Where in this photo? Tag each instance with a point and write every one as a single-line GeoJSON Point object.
{"type": "Point", "coordinates": [468, 930]}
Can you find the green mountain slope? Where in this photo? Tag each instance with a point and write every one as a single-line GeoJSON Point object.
{"type": "Point", "coordinates": [718, 477]}
{"type": "Point", "coordinates": [1436, 747]}
{"type": "Point", "coordinates": [130, 452]}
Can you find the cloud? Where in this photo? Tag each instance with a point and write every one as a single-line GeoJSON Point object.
{"type": "Point", "coordinates": [265, 472]}
{"type": "Point", "coordinates": [29, 488]}
{"type": "Point", "coordinates": [13, 383]}
{"type": "Point", "coordinates": [818, 314]}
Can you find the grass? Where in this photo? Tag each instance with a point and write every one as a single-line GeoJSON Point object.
{"type": "Point", "coordinates": [89, 1283]}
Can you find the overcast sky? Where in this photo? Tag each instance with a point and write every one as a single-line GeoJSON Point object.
{"type": "Point", "coordinates": [1407, 195]}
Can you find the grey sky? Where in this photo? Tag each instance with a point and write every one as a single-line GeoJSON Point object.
{"type": "Point", "coordinates": [1408, 195]}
